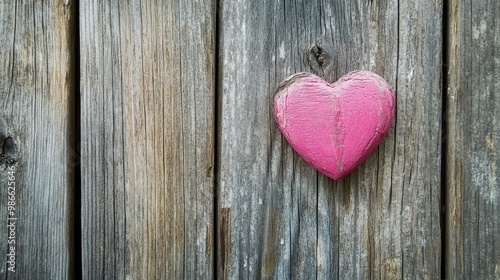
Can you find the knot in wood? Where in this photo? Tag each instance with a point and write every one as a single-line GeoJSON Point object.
{"type": "Point", "coordinates": [8, 147]}
{"type": "Point", "coordinates": [318, 59]}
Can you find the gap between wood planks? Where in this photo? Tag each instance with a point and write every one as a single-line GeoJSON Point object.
{"type": "Point", "coordinates": [216, 139]}
{"type": "Point", "coordinates": [444, 137]}
{"type": "Point", "coordinates": [76, 264]}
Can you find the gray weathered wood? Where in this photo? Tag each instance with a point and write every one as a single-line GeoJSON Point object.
{"type": "Point", "coordinates": [37, 123]}
{"type": "Point", "coordinates": [147, 84]}
{"type": "Point", "coordinates": [279, 218]}
{"type": "Point", "coordinates": [473, 141]}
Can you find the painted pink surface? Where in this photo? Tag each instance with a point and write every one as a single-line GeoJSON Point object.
{"type": "Point", "coordinates": [334, 127]}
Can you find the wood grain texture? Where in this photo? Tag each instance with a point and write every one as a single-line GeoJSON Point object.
{"type": "Point", "coordinates": [473, 141]}
{"type": "Point", "coordinates": [280, 219]}
{"type": "Point", "coordinates": [147, 85]}
{"type": "Point", "coordinates": [37, 96]}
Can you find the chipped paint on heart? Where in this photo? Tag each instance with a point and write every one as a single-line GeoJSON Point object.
{"type": "Point", "coordinates": [334, 127]}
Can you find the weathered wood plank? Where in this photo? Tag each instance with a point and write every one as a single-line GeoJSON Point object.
{"type": "Point", "coordinates": [473, 137]}
{"type": "Point", "coordinates": [37, 122]}
{"type": "Point", "coordinates": [279, 218]}
{"type": "Point", "coordinates": [147, 86]}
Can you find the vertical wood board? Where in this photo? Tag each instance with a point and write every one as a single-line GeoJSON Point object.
{"type": "Point", "coordinates": [473, 136]}
{"type": "Point", "coordinates": [277, 217]}
{"type": "Point", "coordinates": [147, 70]}
{"type": "Point", "coordinates": [37, 138]}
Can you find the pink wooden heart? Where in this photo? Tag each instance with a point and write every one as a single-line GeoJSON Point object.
{"type": "Point", "coordinates": [334, 127]}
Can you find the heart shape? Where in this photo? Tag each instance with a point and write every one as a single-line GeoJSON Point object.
{"type": "Point", "coordinates": [334, 127]}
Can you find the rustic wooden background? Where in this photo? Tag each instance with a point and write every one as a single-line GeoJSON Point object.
{"type": "Point", "coordinates": [145, 145]}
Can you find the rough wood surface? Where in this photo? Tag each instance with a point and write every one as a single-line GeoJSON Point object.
{"type": "Point", "coordinates": [37, 95]}
{"type": "Point", "coordinates": [147, 138]}
{"type": "Point", "coordinates": [473, 141]}
{"type": "Point", "coordinates": [277, 217]}
{"type": "Point", "coordinates": [147, 85]}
